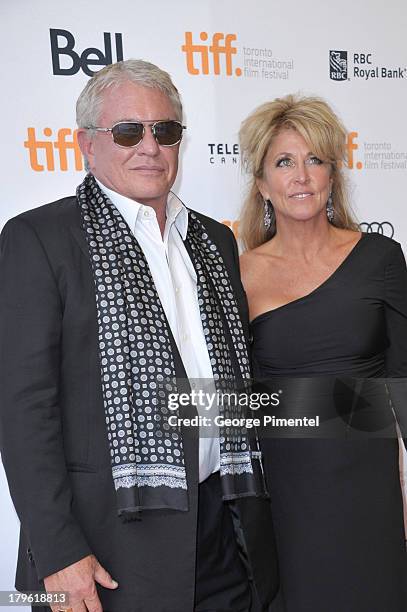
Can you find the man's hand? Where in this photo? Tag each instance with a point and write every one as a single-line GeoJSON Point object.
{"type": "Point", "coordinates": [79, 581]}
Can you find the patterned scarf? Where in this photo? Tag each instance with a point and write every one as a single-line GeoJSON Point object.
{"type": "Point", "coordinates": [137, 365]}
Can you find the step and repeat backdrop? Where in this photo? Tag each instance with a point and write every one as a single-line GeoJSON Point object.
{"type": "Point", "coordinates": [226, 58]}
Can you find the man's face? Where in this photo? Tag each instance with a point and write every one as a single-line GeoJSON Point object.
{"type": "Point", "coordinates": [146, 172]}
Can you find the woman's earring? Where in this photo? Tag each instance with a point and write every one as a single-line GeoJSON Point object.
{"type": "Point", "coordinates": [268, 214]}
{"type": "Point", "coordinates": [330, 211]}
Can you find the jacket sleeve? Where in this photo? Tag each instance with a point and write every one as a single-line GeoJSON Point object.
{"type": "Point", "coordinates": [31, 440]}
{"type": "Point", "coordinates": [396, 329]}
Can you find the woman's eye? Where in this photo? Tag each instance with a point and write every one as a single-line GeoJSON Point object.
{"type": "Point", "coordinates": [314, 160]}
{"type": "Point", "coordinates": [284, 162]}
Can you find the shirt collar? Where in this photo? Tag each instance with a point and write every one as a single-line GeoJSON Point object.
{"type": "Point", "coordinates": [176, 211]}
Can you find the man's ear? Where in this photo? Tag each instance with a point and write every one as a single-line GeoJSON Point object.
{"type": "Point", "coordinates": [85, 141]}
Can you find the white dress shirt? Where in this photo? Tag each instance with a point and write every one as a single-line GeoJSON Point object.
{"type": "Point", "coordinates": [176, 283]}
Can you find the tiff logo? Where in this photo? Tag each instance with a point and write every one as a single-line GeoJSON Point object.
{"type": "Point", "coordinates": [353, 146]}
{"type": "Point", "coordinates": [61, 144]}
{"type": "Point", "coordinates": [234, 226]}
{"type": "Point", "coordinates": [63, 43]}
{"type": "Point", "coordinates": [198, 55]}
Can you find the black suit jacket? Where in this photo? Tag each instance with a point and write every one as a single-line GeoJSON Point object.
{"type": "Point", "coordinates": [52, 428]}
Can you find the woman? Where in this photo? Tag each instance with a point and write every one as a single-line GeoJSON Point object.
{"type": "Point", "coordinates": [327, 304]}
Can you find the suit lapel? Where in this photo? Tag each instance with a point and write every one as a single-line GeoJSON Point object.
{"type": "Point", "coordinates": [80, 239]}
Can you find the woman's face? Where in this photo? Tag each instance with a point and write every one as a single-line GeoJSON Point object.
{"type": "Point", "coordinates": [296, 181]}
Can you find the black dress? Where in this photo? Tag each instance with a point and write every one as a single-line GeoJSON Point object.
{"type": "Point", "coordinates": [337, 504]}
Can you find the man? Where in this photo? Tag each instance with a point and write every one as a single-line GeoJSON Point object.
{"type": "Point", "coordinates": [106, 299]}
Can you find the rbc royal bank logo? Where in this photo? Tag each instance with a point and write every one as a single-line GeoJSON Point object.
{"type": "Point", "coordinates": [338, 65]}
{"type": "Point", "coordinates": [63, 43]}
{"type": "Point", "coordinates": [213, 56]}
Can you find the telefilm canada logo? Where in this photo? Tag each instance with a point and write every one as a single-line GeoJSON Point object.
{"type": "Point", "coordinates": [223, 153]}
{"type": "Point", "coordinates": [362, 65]}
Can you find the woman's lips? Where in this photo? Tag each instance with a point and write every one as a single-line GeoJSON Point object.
{"type": "Point", "coordinates": [302, 195]}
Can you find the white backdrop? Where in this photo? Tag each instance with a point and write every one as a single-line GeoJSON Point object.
{"type": "Point", "coordinates": [226, 57]}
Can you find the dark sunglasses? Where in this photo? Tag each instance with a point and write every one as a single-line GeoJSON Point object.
{"type": "Point", "coordinates": [131, 133]}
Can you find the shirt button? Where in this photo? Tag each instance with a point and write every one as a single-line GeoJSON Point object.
{"type": "Point", "coordinates": [176, 289]}
{"type": "Point", "coordinates": [185, 337]}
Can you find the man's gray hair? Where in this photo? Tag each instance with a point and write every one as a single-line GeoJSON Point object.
{"type": "Point", "coordinates": [88, 106]}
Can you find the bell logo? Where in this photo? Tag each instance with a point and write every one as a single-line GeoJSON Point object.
{"type": "Point", "coordinates": [62, 144]}
{"type": "Point", "coordinates": [198, 55]}
{"type": "Point", "coordinates": [89, 57]}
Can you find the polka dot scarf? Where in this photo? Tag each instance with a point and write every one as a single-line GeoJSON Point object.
{"type": "Point", "coordinates": [137, 365]}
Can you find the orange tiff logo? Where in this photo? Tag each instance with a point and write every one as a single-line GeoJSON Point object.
{"type": "Point", "coordinates": [66, 140]}
{"type": "Point", "coordinates": [198, 55]}
{"type": "Point", "coordinates": [234, 226]}
{"type": "Point", "coordinates": [353, 146]}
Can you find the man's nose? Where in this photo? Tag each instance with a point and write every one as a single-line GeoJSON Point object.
{"type": "Point", "coordinates": [148, 145]}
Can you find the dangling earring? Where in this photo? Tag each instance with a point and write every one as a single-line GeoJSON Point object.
{"type": "Point", "coordinates": [330, 211]}
{"type": "Point", "coordinates": [268, 214]}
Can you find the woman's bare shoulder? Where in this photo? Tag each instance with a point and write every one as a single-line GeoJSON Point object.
{"type": "Point", "coordinates": [252, 264]}
{"type": "Point", "coordinates": [248, 259]}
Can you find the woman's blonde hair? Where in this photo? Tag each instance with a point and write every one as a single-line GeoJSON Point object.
{"type": "Point", "coordinates": [316, 122]}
